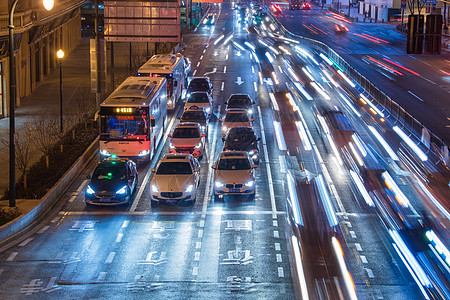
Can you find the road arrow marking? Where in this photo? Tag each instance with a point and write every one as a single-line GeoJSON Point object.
{"type": "Point", "coordinates": [213, 71]}
{"type": "Point", "coordinates": [239, 81]}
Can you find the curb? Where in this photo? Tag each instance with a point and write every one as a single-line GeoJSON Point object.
{"type": "Point", "coordinates": [15, 227]}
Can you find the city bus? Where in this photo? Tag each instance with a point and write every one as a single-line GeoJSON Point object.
{"type": "Point", "coordinates": [133, 119]}
{"type": "Point", "coordinates": [170, 66]}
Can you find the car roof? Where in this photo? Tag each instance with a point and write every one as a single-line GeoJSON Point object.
{"type": "Point", "coordinates": [200, 78]}
{"type": "Point", "coordinates": [175, 157]}
{"type": "Point", "coordinates": [187, 125]}
{"type": "Point", "coordinates": [238, 95]}
{"type": "Point", "coordinates": [233, 154]}
{"type": "Point", "coordinates": [241, 128]}
{"type": "Point", "coordinates": [236, 110]}
{"type": "Point", "coordinates": [194, 108]}
{"type": "Point", "coordinates": [112, 162]}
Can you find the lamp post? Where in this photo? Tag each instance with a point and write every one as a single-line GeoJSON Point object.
{"type": "Point", "coordinates": [48, 4]}
{"type": "Point", "coordinates": [60, 55]}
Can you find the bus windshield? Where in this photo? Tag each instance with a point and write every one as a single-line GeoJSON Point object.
{"type": "Point", "coordinates": [123, 128]}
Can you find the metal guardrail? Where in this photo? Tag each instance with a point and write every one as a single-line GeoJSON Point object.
{"type": "Point", "coordinates": [395, 110]}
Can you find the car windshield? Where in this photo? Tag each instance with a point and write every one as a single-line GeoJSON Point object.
{"type": "Point", "coordinates": [238, 135]}
{"type": "Point", "coordinates": [198, 98]}
{"type": "Point", "coordinates": [234, 164]}
{"type": "Point", "coordinates": [238, 101]}
{"type": "Point", "coordinates": [193, 116]}
{"type": "Point", "coordinates": [237, 117]}
{"type": "Point", "coordinates": [200, 85]}
{"type": "Point", "coordinates": [174, 167]}
{"type": "Point", "coordinates": [109, 173]}
{"type": "Point", "coordinates": [186, 133]}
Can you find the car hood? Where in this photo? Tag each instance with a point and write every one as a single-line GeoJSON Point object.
{"type": "Point", "coordinates": [185, 142]}
{"type": "Point", "coordinates": [172, 183]}
{"type": "Point", "coordinates": [107, 186]}
{"type": "Point", "coordinates": [242, 144]}
{"type": "Point", "coordinates": [237, 124]}
{"type": "Point", "coordinates": [233, 176]}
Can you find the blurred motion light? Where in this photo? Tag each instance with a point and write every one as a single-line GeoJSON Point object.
{"type": "Point", "coordinates": [410, 143]}
{"type": "Point", "coordinates": [294, 200]}
{"type": "Point", "coordinates": [389, 181]}
{"type": "Point", "coordinates": [327, 205]}
{"type": "Point", "coordinates": [300, 272]}
{"type": "Point", "coordinates": [360, 185]}
{"type": "Point", "coordinates": [345, 274]}
{"type": "Point", "coordinates": [303, 136]}
{"type": "Point", "coordinates": [383, 143]}
{"type": "Point", "coordinates": [439, 246]}
{"type": "Point", "coordinates": [346, 78]}
{"type": "Point", "coordinates": [48, 4]}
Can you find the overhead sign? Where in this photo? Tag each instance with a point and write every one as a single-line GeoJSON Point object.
{"type": "Point", "coordinates": [139, 21]}
{"type": "Point", "coordinates": [403, 4]}
{"type": "Point", "coordinates": [430, 1]}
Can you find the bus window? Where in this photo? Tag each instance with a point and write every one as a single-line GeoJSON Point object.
{"type": "Point", "coordinates": [123, 127]}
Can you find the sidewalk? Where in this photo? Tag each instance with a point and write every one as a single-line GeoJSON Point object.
{"type": "Point", "coordinates": [44, 101]}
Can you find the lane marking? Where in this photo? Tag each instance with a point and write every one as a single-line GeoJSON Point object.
{"type": "Point", "coordinates": [198, 64]}
{"type": "Point", "coordinates": [12, 256]}
{"type": "Point", "coordinates": [275, 223]}
{"type": "Point", "coordinates": [125, 224]}
{"type": "Point", "coordinates": [415, 96]}
{"type": "Point", "coordinates": [281, 71]}
{"type": "Point", "coordinates": [363, 259]}
{"type": "Point", "coordinates": [225, 69]}
{"type": "Point", "coordinates": [201, 57]}
{"type": "Point", "coordinates": [276, 234]}
{"type": "Point", "coordinates": [138, 196]}
{"type": "Point", "coordinates": [353, 234]}
{"type": "Point", "coordinates": [110, 257]}
{"type": "Point", "coordinates": [282, 164]}
{"type": "Point", "coordinates": [197, 256]}
{"type": "Point", "coordinates": [198, 245]}
{"type": "Point", "coordinates": [202, 223]}
{"type": "Point", "coordinates": [369, 273]}
{"type": "Point", "coordinates": [78, 191]}
{"type": "Point", "coordinates": [43, 229]}
{"type": "Point", "coordinates": [200, 233]}
{"type": "Point", "coordinates": [277, 247]}
{"type": "Point", "coordinates": [195, 72]}
{"type": "Point", "coordinates": [280, 272]}
{"type": "Point", "coordinates": [226, 57]}
{"type": "Point", "coordinates": [102, 276]}
{"type": "Point", "coordinates": [222, 87]}
{"type": "Point", "coordinates": [255, 86]}
{"type": "Point", "coordinates": [26, 242]}
{"type": "Point", "coordinates": [358, 246]}
{"type": "Point", "coordinates": [194, 271]}
{"type": "Point", "coordinates": [279, 258]}
{"type": "Point", "coordinates": [119, 237]}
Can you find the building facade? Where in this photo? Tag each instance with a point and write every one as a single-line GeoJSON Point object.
{"type": "Point", "coordinates": [38, 35]}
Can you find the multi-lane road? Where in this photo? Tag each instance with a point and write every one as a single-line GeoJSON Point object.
{"type": "Point", "coordinates": [236, 247]}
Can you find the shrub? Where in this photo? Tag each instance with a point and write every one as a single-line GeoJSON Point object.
{"type": "Point", "coordinates": [8, 213]}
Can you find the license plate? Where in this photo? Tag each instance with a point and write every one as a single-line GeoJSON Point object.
{"type": "Point", "coordinates": [105, 200]}
{"type": "Point", "coordinates": [234, 190]}
{"type": "Point", "coordinates": [171, 201]}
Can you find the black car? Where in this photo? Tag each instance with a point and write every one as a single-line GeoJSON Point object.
{"type": "Point", "coordinates": [242, 139]}
{"type": "Point", "coordinates": [199, 84]}
{"type": "Point", "coordinates": [112, 183]}
{"type": "Point", "coordinates": [196, 114]}
{"type": "Point", "coordinates": [240, 101]}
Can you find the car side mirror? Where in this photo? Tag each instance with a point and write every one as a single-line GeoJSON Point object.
{"type": "Point", "coordinates": [169, 135]}
{"type": "Point", "coordinates": [258, 139]}
{"type": "Point", "coordinates": [213, 167]}
{"type": "Point", "coordinates": [88, 176]}
{"type": "Point", "coordinates": [252, 119]}
{"type": "Point", "coordinates": [197, 169]}
{"type": "Point", "coordinates": [254, 166]}
{"type": "Point", "coordinates": [153, 170]}
{"type": "Point", "coordinates": [204, 134]}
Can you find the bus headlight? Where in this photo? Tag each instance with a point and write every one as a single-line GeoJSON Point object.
{"type": "Point", "coordinates": [122, 191]}
{"type": "Point", "coordinates": [104, 152]}
{"type": "Point", "coordinates": [144, 152]}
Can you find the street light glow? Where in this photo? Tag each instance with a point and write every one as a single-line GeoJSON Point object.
{"type": "Point", "coordinates": [60, 54]}
{"type": "Point", "coordinates": [48, 4]}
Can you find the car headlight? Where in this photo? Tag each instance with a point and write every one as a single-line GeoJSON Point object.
{"type": "Point", "coordinates": [250, 111]}
{"type": "Point", "coordinates": [90, 191]}
{"type": "Point", "coordinates": [203, 127]}
{"type": "Point", "coordinates": [189, 189]}
{"type": "Point", "coordinates": [224, 128]}
{"type": "Point", "coordinates": [122, 191]}
{"type": "Point", "coordinates": [219, 184]}
{"type": "Point", "coordinates": [252, 152]}
{"type": "Point", "coordinates": [204, 21]}
{"type": "Point", "coordinates": [208, 109]}
{"type": "Point", "coordinates": [144, 152]}
{"type": "Point", "coordinates": [188, 95]}
{"type": "Point", "coordinates": [171, 146]}
{"type": "Point", "coordinates": [155, 188]}
{"type": "Point", "coordinates": [250, 183]}
{"type": "Point", "coordinates": [104, 152]}
{"type": "Point", "coordinates": [198, 146]}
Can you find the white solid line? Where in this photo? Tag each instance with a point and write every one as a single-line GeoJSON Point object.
{"type": "Point", "coordinates": [119, 237]}
{"type": "Point", "coordinates": [197, 256]}
{"type": "Point", "coordinates": [102, 276]}
{"type": "Point", "coordinates": [200, 233]}
{"type": "Point", "coordinates": [225, 69]}
{"type": "Point", "coordinates": [43, 229]}
{"type": "Point", "coordinates": [358, 247]}
{"type": "Point", "coordinates": [369, 273]}
{"type": "Point", "coordinates": [125, 223]}
{"type": "Point", "coordinates": [415, 96]}
{"type": "Point", "coordinates": [198, 245]}
{"type": "Point", "coordinates": [223, 84]}
{"type": "Point", "coordinates": [26, 242]}
{"type": "Point", "coordinates": [280, 272]}
{"type": "Point", "coordinates": [277, 247]}
{"type": "Point", "coordinates": [12, 256]}
{"type": "Point", "coordinates": [279, 259]}
{"type": "Point", "coordinates": [363, 259]}
{"type": "Point", "coordinates": [194, 271]}
{"type": "Point", "coordinates": [276, 234]}
{"type": "Point", "coordinates": [110, 257]}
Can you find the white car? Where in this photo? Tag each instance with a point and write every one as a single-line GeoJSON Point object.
{"type": "Point", "coordinates": [234, 174]}
{"type": "Point", "coordinates": [200, 99]}
{"type": "Point", "coordinates": [187, 137]}
{"type": "Point", "coordinates": [235, 117]}
{"type": "Point", "coordinates": [175, 180]}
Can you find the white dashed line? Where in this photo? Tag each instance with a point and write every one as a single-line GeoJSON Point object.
{"type": "Point", "coordinates": [417, 97]}
{"type": "Point", "coordinates": [204, 50]}
{"type": "Point", "coordinates": [276, 234]}
{"type": "Point", "coordinates": [43, 229]}
{"type": "Point", "coordinates": [226, 57]}
{"type": "Point", "coordinates": [102, 276]}
{"type": "Point", "coordinates": [26, 242]}
{"type": "Point", "coordinates": [202, 223]}
{"type": "Point", "coordinates": [281, 71]}
{"type": "Point", "coordinates": [223, 85]}
{"type": "Point", "coordinates": [353, 234]}
{"type": "Point", "coordinates": [279, 259]}
{"type": "Point", "coordinates": [201, 57]}
{"type": "Point", "coordinates": [198, 245]}
{"type": "Point", "coordinates": [197, 256]}
{"type": "Point", "coordinates": [277, 247]}
{"type": "Point", "coordinates": [12, 256]}
{"type": "Point", "coordinates": [369, 273]}
{"type": "Point", "coordinates": [255, 86]}
{"type": "Point", "coordinates": [198, 64]}
{"type": "Point", "coordinates": [119, 237]}
{"type": "Point", "coordinates": [110, 257]}
{"type": "Point", "coordinates": [358, 247]}
{"type": "Point", "coordinates": [282, 164]}
{"type": "Point", "coordinates": [194, 271]}
{"type": "Point", "coordinates": [280, 272]}
{"type": "Point", "coordinates": [79, 189]}
{"type": "Point", "coordinates": [195, 72]}
{"type": "Point", "coordinates": [363, 259]}
{"type": "Point", "coordinates": [225, 69]}
{"type": "Point", "coordinates": [200, 233]}
{"type": "Point", "coordinates": [125, 223]}
{"type": "Point", "coordinates": [253, 70]}
{"type": "Point", "coordinates": [275, 223]}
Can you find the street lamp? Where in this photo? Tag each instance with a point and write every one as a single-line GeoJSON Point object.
{"type": "Point", "coordinates": [60, 55]}
{"type": "Point", "coordinates": [48, 4]}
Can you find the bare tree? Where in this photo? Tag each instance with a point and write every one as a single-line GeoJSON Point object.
{"type": "Point", "coordinates": [46, 129]}
{"type": "Point", "coordinates": [413, 4]}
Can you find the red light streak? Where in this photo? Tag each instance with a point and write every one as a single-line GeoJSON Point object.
{"type": "Point", "coordinates": [446, 73]}
{"type": "Point", "coordinates": [378, 39]}
{"type": "Point", "coordinates": [386, 66]}
{"type": "Point", "coordinates": [339, 17]}
{"type": "Point", "coordinates": [402, 67]}
{"type": "Point", "coordinates": [319, 29]}
{"type": "Point", "coordinates": [311, 29]}
{"type": "Point", "coordinates": [366, 37]}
